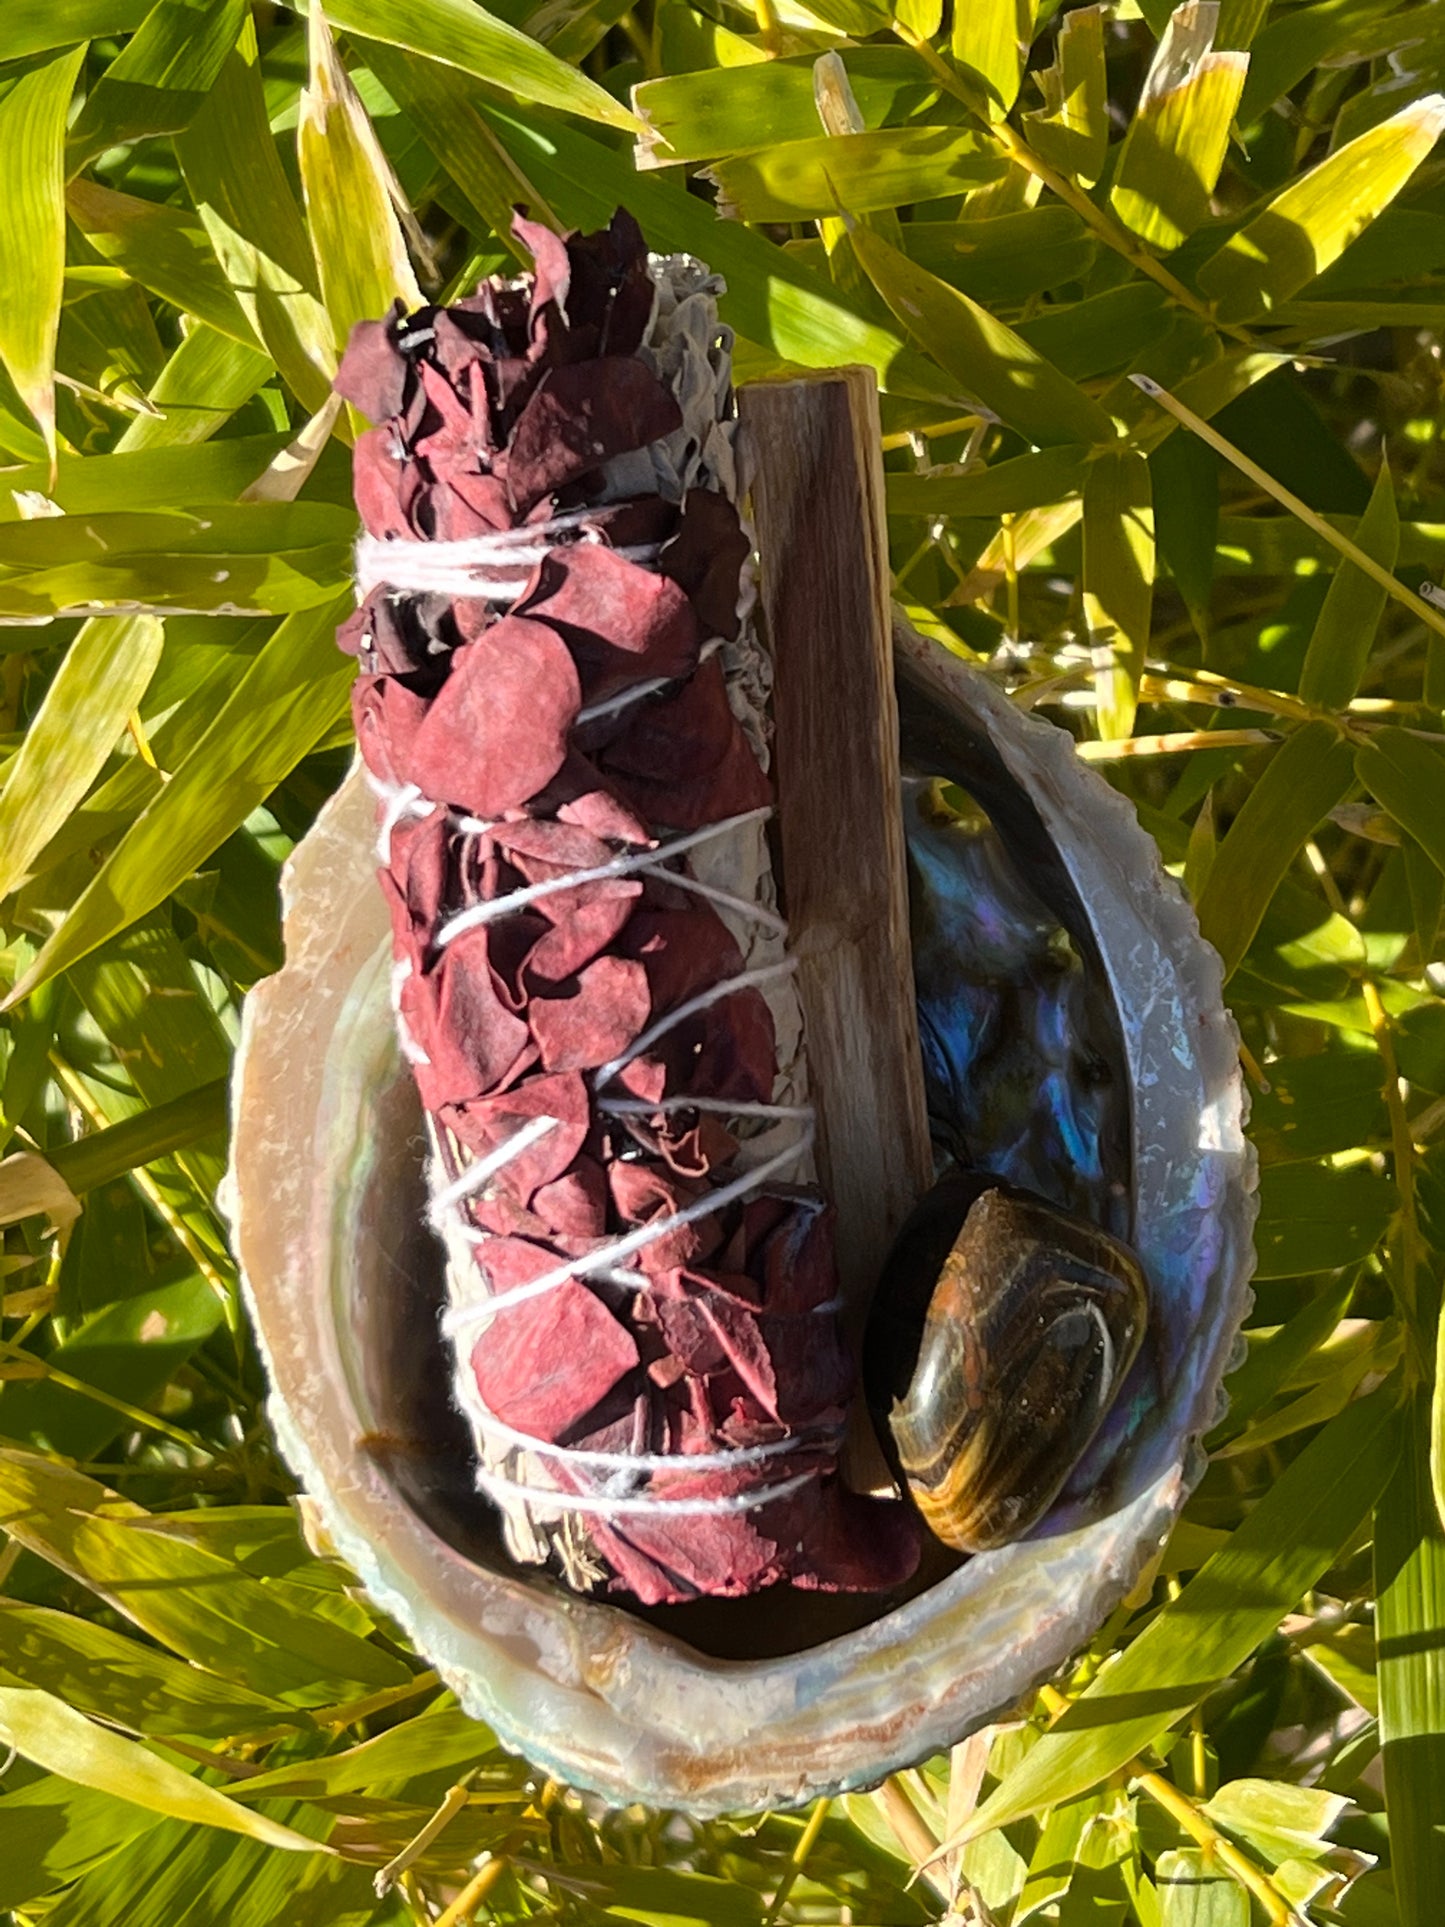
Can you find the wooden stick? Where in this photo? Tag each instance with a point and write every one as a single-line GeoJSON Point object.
{"type": "Point", "coordinates": [818, 505]}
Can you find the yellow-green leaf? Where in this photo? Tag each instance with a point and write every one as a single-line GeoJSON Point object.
{"type": "Point", "coordinates": [442, 104]}
{"type": "Point", "coordinates": [206, 380]}
{"type": "Point", "coordinates": [1345, 631]}
{"type": "Point", "coordinates": [99, 684]}
{"type": "Point", "coordinates": [32, 229]}
{"type": "Point", "coordinates": [1072, 131]}
{"type": "Point", "coordinates": [1118, 582]}
{"type": "Point", "coordinates": [162, 249]}
{"type": "Point", "coordinates": [1306, 777]}
{"type": "Point", "coordinates": [1177, 140]}
{"type": "Point", "coordinates": [245, 202]}
{"type": "Point", "coordinates": [729, 110]}
{"type": "Point", "coordinates": [292, 694]}
{"type": "Point", "coordinates": [1003, 488]}
{"type": "Point", "coordinates": [991, 362]}
{"type": "Point", "coordinates": [459, 33]}
{"type": "Point", "coordinates": [853, 173]}
{"type": "Point", "coordinates": [158, 79]}
{"type": "Point", "coordinates": [1313, 220]}
{"type": "Point", "coordinates": [1406, 776]}
{"type": "Point", "coordinates": [991, 40]}
{"type": "Point", "coordinates": [53, 1735]}
{"type": "Point", "coordinates": [349, 189]}
{"type": "Point", "coordinates": [1410, 1628]}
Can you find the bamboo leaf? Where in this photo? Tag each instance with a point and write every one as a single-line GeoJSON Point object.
{"type": "Point", "coordinates": [291, 695]}
{"type": "Point", "coordinates": [985, 356]}
{"type": "Point", "coordinates": [1234, 1601]}
{"type": "Point", "coordinates": [1405, 775]}
{"type": "Point", "coordinates": [1072, 131]}
{"type": "Point", "coordinates": [1345, 632]}
{"type": "Point", "coordinates": [853, 173]}
{"type": "Point", "coordinates": [262, 1634]}
{"type": "Point", "coordinates": [241, 193]}
{"type": "Point", "coordinates": [1176, 143]}
{"type": "Point", "coordinates": [460, 34]}
{"type": "Point", "coordinates": [1410, 1629]}
{"type": "Point", "coordinates": [1002, 259]}
{"type": "Point", "coordinates": [1196, 1892]}
{"type": "Point", "coordinates": [38, 26]}
{"type": "Point", "coordinates": [442, 1739]}
{"type": "Point", "coordinates": [1184, 483]}
{"type": "Point", "coordinates": [991, 40]}
{"type": "Point", "coordinates": [730, 110]}
{"type": "Point", "coordinates": [1311, 222]}
{"type": "Point", "coordinates": [1307, 776]}
{"type": "Point", "coordinates": [164, 250]}
{"type": "Point", "coordinates": [1118, 583]}
{"type": "Point", "coordinates": [56, 1737]}
{"type": "Point", "coordinates": [32, 228]}
{"type": "Point", "coordinates": [155, 1132]}
{"type": "Point", "coordinates": [348, 184]}
{"type": "Point", "coordinates": [31, 1187]}
{"type": "Point", "coordinates": [202, 385]}
{"type": "Point", "coordinates": [53, 1831]}
{"type": "Point", "coordinates": [1003, 488]}
{"type": "Point", "coordinates": [100, 683]}
{"type": "Point", "coordinates": [158, 79]}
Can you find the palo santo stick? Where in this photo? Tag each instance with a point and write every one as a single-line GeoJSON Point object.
{"type": "Point", "coordinates": [818, 506]}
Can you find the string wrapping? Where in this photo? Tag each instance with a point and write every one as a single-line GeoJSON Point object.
{"type": "Point", "coordinates": [562, 707]}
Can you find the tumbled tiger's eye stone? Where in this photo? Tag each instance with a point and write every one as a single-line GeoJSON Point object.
{"type": "Point", "coordinates": [1001, 1332]}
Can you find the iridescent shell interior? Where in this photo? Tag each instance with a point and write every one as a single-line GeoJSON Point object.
{"type": "Point", "coordinates": [1075, 1041]}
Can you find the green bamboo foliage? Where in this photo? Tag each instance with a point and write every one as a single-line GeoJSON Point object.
{"type": "Point", "coordinates": [1217, 582]}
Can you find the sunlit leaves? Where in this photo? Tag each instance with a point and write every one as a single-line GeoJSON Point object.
{"type": "Point", "coordinates": [991, 43]}
{"type": "Point", "coordinates": [1305, 778]}
{"type": "Point", "coordinates": [32, 228]}
{"type": "Point", "coordinates": [990, 362]}
{"type": "Point", "coordinates": [853, 173]}
{"type": "Point", "coordinates": [1311, 222]}
{"type": "Point", "coordinates": [52, 1734]}
{"type": "Point", "coordinates": [158, 79]}
{"type": "Point", "coordinates": [244, 200]}
{"type": "Point", "coordinates": [730, 110]}
{"type": "Point", "coordinates": [1025, 540]}
{"type": "Point", "coordinates": [98, 686]}
{"type": "Point", "coordinates": [467, 36]}
{"type": "Point", "coordinates": [1118, 581]}
{"type": "Point", "coordinates": [1072, 131]}
{"type": "Point", "coordinates": [292, 695]}
{"type": "Point", "coordinates": [360, 251]}
{"type": "Point", "coordinates": [1175, 146]}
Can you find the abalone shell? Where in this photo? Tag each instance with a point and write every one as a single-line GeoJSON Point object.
{"type": "Point", "coordinates": [344, 1285]}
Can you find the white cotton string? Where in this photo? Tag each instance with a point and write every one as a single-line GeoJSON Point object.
{"type": "Point", "coordinates": [620, 866]}
{"type": "Point", "coordinates": [745, 980]}
{"type": "Point", "coordinates": [400, 801]}
{"type": "Point", "coordinates": [730, 1459]}
{"type": "Point", "coordinates": [635, 692]}
{"type": "Point", "coordinates": [602, 1505]}
{"type": "Point", "coordinates": [469, 568]}
{"type": "Point", "coordinates": [462, 1319]}
{"type": "Point", "coordinates": [476, 1174]}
